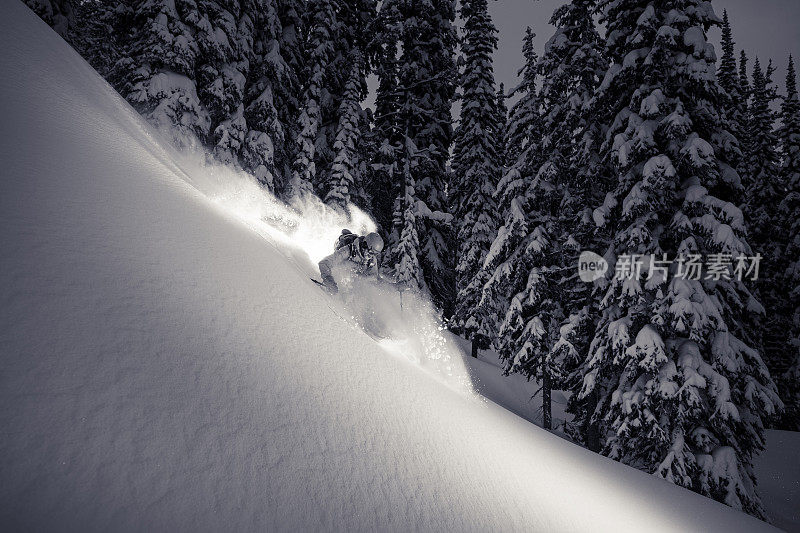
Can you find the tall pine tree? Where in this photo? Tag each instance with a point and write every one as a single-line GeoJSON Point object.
{"type": "Point", "coordinates": [476, 166]}
{"type": "Point", "coordinates": [420, 73]}
{"type": "Point", "coordinates": [385, 137]}
{"type": "Point", "coordinates": [522, 152]}
{"type": "Point", "coordinates": [788, 256]}
{"type": "Point", "coordinates": [764, 193]}
{"type": "Point", "coordinates": [734, 102]}
{"type": "Point", "coordinates": [224, 38]}
{"type": "Point", "coordinates": [350, 39]}
{"type": "Point", "coordinates": [224, 73]}
{"type": "Point", "coordinates": [272, 94]}
{"type": "Point", "coordinates": [539, 333]}
{"type": "Point", "coordinates": [345, 174]}
{"type": "Point", "coordinates": [680, 390]}
{"type": "Point", "coordinates": [322, 29]}
{"type": "Point", "coordinates": [158, 74]}
{"type": "Point", "coordinates": [58, 14]}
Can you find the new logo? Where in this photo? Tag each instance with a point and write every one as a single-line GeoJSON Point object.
{"type": "Point", "coordinates": [591, 266]}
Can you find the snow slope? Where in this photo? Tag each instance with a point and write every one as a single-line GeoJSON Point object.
{"type": "Point", "coordinates": [166, 365]}
{"type": "Point", "coordinates": [777, 468]}
{"type": "Point", "coordinates": [778, 473]}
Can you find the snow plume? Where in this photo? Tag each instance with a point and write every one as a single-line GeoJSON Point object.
{"type": "Point", "coordinates": [308, 225]}
{"type": "Point", "coordinates": [404, 323]}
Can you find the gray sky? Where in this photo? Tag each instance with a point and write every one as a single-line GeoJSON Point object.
{"type": "Point", "coordinates": [764, 28]}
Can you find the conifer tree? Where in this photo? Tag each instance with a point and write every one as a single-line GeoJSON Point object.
{"type": "Point", "coordinates": [744, 80]}
{"type": "Point", "coordinates": [350, 37]}
{"type": "Point", "coordinates": [764, 193]}
{"type": "Point", "coordinates": [91, 27]}
{"type": "Point", "coordinates": [385, 138]}
{"type": "Point", "coordinates": [734, 102]}
{"type": "Point", "coordinates": [428, 73]}
{"type": "Point", "coordinates": [476, 167]}
{"type": "Point", "coordinates": [97, 32]}
{"type": "Point", "coordinates": [762, 158]}
{"type": "Point", "coordinates": [221, 72]}
{"type": "Point", "coordinates": [523, 137]}
{"type": "Point", "coordinates": [409, 269]}
{"type": "Point", "coordinates": [788, 255]}
{"type": "Point", "coordinates": [342, 182]}
{"type": "Point", "coordinates": [58, 14]}
{"type": "Point", "coordinates": [499, 137]}
{"type": "Point", "coordinates": [272, 94]}
{"type": "Point", "coordinates": [423, 66]}
{"type": "Point", "coordinates": [548, 304]}
{"type": "Point", "coordinates": [158, 73]}
{"type": "Point", "coordinates": [745, 145]}
{"type": "Point", "coordinates": [727, 74]}
{"type": "Point", "coordinates": [323, 25]}
{"type": "Point", "coordinates": [223, 40]}
{"type": "Point", "coordinates": [681, 392]}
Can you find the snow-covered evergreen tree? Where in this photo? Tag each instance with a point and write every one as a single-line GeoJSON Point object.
{"type": "Point", "coordinates": [522, 131]}
{"type": "Point", "coordinates": [158, 73]}
{"type": "Point", "coordinates": [571, 69]}
{"type": "Point", "coordinates": [727, 73]}
{"type": "Point", "coordinates": [272, 93]}
{"type": "Point", "coordinates": [96, 33]}
{"type": "Point", "coordinates": [409, 269]}
{"type": "Point", "coordinates": [427, 74]}
{"type": "Point", "coordinates": [222, 72]}
{"type": "Point", "coordinates": [476, 167]}
{"type": "Point", "coordinates": [745, 144]}
{"type": "Point", "coordinates": [91, 27]}
{"type": "Point", "coordinates": [58, 14]}
{"type": "Point", "coordinates": [418, 84]}
{"type": "Point", "coordinates": [548, 304]}
{"type": "Point", "coordinates": [734, 102]}
{"type": "Point", "coordinates": [352, 36]}
{"type": "Point", "coordinates": [338, 31]}
{"type": "Point", "coordinates": [787, 258]}
{"type": "Point", "coordinates": [523, 138]}
{"type": "Point", "coordinates": [385, 137]}
{"type": "Point", "coordinates": [323, 25]}
{"type": "Point", "coordinates": [680, 390]}
{"type": "Point", "coordinates": [789, 132]}
{"type": "Point", "coordinates": [499, 139]}
{"type": "Point", "coordinates": [744, 79]}
{"type": "Point", "coordinates": [762, 158]}
{"type": "Point", "coordinates": [224, 38]}
{"type": "Point", "coordinates": [346, 167]}
{"type": "Point", "coordinates": [763, 194]}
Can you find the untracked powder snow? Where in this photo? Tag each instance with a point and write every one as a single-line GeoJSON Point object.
{"type": "Point", "coordinates": [168, 365]}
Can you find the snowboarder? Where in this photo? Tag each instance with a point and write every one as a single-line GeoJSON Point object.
{"type": "Point", "coordinates": [360, 253]}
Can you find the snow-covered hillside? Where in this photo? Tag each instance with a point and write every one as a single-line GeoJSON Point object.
{"type": "Point", "coordinates": [167, 364]}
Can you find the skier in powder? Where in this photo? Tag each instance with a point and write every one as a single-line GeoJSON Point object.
{"type": "Point", "coordinates": [359, 253]}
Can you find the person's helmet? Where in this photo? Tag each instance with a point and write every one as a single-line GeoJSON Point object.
{"type": "Point", "coordinates": [374, 241]}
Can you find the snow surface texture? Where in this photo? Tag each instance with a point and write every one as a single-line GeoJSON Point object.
{"type": "Point", "coordinates": [167, 364]}
{"type": "Point", "coordinates": [778, 473]}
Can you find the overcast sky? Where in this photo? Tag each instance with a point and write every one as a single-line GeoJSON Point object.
{"type": "Point", "coordinates": [764, 28]}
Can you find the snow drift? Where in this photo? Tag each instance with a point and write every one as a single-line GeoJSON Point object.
{"type": "Point", "coordinates": [165, 366]}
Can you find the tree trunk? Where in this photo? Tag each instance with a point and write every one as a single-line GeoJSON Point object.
{"type": "Point", "coordinates": [547, 416]}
